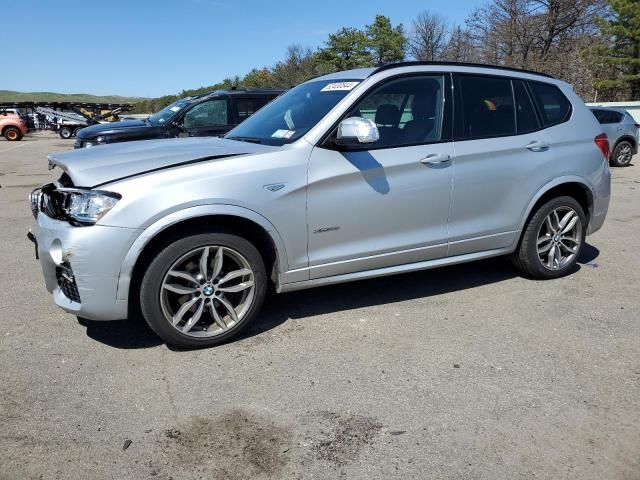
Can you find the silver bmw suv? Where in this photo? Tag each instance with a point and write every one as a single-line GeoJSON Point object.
{"type": "Point", "coordinates": [349, 176]}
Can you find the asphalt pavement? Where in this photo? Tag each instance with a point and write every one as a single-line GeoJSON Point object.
{"type": "Point", "coordinates": [465, 372]}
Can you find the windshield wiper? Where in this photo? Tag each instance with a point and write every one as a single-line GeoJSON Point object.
{"type": "Point", "coordinates": [246, 139]}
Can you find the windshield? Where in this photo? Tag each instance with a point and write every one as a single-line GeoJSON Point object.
{"type": "Point", "coordinates": [293, 114]}
{"type": "Point", "coordinates": [167, 112]}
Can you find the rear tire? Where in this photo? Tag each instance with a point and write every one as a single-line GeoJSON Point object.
{"type": "Point", "coordinates": [552, 240]}
{"type": "Point", "coordinates": [185, 298]}
{"type": "Point", "coordinates": [65, 132]}
{"type": "Point", "coordinates": [12, 134]}
{"type": "Point", "coordinates": [622, 154]}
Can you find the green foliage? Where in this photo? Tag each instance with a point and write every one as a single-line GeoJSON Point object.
{"type": "Point", "coordinates": [387, 44]}
{"type": "Point", "coordinates": [346, 49]}
{"type": "Point", "coordinates": [621, 57]}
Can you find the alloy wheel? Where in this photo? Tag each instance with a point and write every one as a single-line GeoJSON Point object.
{"type": "Point", "coordinates": [624, 154]}
{"type": "Point", "coordinates": [207, 291]}
{"type": "Point", "coordinates": [559, 238]}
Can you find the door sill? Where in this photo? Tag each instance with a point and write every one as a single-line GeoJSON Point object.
{"type": "Point", "coordinates": [382, 272]}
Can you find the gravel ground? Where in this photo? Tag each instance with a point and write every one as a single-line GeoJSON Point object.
{"type": "Point", "coordinates": [468, 372]}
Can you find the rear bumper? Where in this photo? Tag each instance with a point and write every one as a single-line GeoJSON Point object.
{"type": "Point", "coordinates": [601, 199]}
{"type": "Point", "coordinates": [87, 259]}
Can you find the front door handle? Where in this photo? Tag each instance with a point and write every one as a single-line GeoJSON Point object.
{"type": "Point", "coordinates": [538, 146]}
{"type": "Point", "coordinates": [436, 159]}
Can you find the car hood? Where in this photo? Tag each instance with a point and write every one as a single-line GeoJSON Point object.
{"type": "Point", "coordinates": [111, 127]}
{"type": "Point", "coordinates": [95, 166]}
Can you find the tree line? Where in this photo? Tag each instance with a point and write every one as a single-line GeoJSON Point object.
{"type": "Point", "coordinates": [592, 44]}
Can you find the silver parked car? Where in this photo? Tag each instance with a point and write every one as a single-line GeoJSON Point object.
{"type": "Point", "coordinates": [623, 132]}
{"type": "Point", "coordinates": [349, 176]}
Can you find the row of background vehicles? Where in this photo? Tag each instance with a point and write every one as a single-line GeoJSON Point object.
{"type": "Point", "coordinates": [209, 114]}
{"type": "Point", "coordinates": [65, 118]}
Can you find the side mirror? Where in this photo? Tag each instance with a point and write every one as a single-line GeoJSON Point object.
{"type": "Point", "coordinates": [357, 131]}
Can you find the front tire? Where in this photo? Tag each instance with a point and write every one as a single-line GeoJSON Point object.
{"type": "Point", "coordinates": [552, 240]}
{"type": "Point", "coordinates": [65, 132]}
{"type": "Point", "coordinates": [12, 134]}
{"type": "Point", "coordinates": [203, 289]}
{"type": "Point", "coordinates": [622, 154]}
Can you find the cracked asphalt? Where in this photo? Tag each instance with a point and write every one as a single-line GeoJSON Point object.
{"type": "Point", "coordinates": [467, 372]}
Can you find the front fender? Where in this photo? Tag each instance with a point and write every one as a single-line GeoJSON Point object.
{"type": "Point", "coordinates": [158, 226]}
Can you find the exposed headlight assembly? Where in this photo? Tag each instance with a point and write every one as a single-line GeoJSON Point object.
{"type": "Point", "coordinates": [34, 201]}
{"type": "Point", "coordinates": [76, 205]}
{"type": "Point", "coordinates": [88, 206]}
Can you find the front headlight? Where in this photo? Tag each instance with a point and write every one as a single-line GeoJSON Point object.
{"type": "Point", "coordinates": [93, 143]}
{"type": "Point", "coordinates": [88, 206]}
{"type": "Point", "coordinates": [34, 201]}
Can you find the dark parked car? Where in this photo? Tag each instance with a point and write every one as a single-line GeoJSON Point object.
{"type": "Point", "coordinates": [207, 115]}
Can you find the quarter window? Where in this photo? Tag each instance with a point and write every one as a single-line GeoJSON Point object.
{"type": "Point", "coordinates": [607, 116]}
{"type": "Point", "coordinates": [485, 107]}
{"type": "Point", "coordinates": [207, 114]}
{"type": "Point", "coordinates": [407, 111]}
{"type": "Point", "coordinates": [553, 106]}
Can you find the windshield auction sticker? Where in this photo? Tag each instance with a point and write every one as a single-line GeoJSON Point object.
{"type": "Point", "coordinates": [344, 86]}
{"type": "Point", "coordinates": [283, 133]}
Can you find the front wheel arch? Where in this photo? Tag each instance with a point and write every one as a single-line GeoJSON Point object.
{"type": "Point", "coordinates": [241, 226]}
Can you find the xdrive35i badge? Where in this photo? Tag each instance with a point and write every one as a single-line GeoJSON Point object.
{"type": "Point", "coordinates": [326, 229]}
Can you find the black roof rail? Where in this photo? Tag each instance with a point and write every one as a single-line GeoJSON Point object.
{"type": "Point", "coordinates": [237, 90]}
{"type": "Point", "coordinates": [389, 66]}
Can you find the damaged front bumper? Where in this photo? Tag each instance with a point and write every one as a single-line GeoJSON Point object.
{"type": "Point", "coordinates": [81, 266]}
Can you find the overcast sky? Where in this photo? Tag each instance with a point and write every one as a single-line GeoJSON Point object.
{"type": "Point", "coordinates": [151, 48]}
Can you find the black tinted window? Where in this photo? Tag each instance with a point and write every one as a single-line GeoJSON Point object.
{"type": "Point", "coordinates": [607, 116]}
{"type": "Point", "coordinates": [248, 106]}
{"type": "Point", "coordinates": [525, 112]}
{"type": "Point", "coordinates": [485, 107]}
{"type": "Point", "coordinates": [553, 106]}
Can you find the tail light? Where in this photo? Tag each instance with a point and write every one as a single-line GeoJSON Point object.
{"type": "Point", "coordinates": [602, 141]}
{"type": "Point", "coordinates": [637, 125]}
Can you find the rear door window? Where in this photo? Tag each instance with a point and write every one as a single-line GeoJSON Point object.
{"type": "Point", "coordinates": [485, 107]}
{"type": "Point", "coordinates": [553, 106]}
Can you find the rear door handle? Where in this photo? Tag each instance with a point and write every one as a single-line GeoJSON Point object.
{"type": "Point", "coordinates": [538, 146]}
{"type": "Point", "coordinates": [436, 159]}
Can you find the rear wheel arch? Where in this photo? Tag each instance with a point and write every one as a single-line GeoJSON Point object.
{"type": "Point", "coordinates": [625, 138]}
{"type": "Point", "coordinates": [578, 190]}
